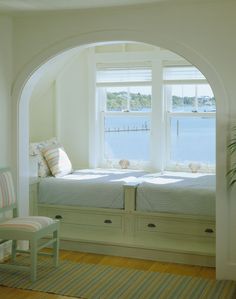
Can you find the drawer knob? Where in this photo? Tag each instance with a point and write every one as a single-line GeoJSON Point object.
{"type": "Point", "coordinates": [209, 230]}
{"type": "Point", "coordinates": [58, 217]}
{"type": "Point", "coordinates": [151, 225]}
{"type": "Point", "coordinates": [108, 221]}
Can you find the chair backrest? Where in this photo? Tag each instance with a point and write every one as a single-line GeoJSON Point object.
{"type": "Point", "coordinates": [7, 194]}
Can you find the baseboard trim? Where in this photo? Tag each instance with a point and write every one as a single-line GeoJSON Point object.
{"type": "Point", "coordinates": [140, 253]}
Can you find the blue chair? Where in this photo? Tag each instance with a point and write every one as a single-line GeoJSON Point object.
{"type": "Point", "coordinates": [32, 228]}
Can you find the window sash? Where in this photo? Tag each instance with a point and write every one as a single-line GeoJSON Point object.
{"type": "Point", "coordinates": [139, 82]}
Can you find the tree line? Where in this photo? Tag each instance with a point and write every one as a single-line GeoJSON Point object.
{"type": "Point", "coordinates": [118, 101]}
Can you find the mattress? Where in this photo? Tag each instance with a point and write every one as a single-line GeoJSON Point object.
{"type": "Point", "coordinates": [184, 193]}
{"type": "Point", "coordinates": [99, 188]}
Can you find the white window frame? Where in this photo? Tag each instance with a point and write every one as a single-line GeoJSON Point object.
{"type": "Point", "coordinates": [103, 162]}
{"type": "Point", "coordinates": [174, 165]}
{"type": "Point", "coordinates": [160, 138]}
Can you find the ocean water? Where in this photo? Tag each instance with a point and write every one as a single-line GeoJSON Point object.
{"type": "Point", "coordinates": [192, 138]}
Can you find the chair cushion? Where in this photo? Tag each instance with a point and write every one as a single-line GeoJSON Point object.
{"type": "Point", "coordinates": [26, 224]}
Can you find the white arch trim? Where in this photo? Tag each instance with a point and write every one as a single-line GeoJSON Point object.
{"type": "Point", "coordinates": [27, 77]}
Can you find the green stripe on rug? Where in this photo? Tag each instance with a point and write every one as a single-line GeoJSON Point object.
{"type": "Point", "coordinates": [108, 282]}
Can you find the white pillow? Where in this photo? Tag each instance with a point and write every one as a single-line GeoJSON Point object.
{"type": "Point", "coordinates": [57, 160]}
{"type": "Point", "coordinates": [36, 149]}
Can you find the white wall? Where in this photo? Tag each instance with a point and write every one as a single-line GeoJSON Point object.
{"type": "Point", "coordinates": [42, 116]}
{"type": "Point", "coordinates": [59, 108]}
{"type": "Point", "coordinates": [202, 31]}
{"type": "Point", "coordinates": [5, 103]}
{"type": "Point", "coordinates": [5, 90]}
{"type": "Point", "coordinates": [72, 111]}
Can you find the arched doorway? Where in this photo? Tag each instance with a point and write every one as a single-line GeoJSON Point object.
{"type": "Point", "coordinates": [27, 78]}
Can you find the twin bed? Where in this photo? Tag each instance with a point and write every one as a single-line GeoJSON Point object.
{"type": "Point", "coordinates": [167, 217]}
{"type": "Point", "coordinates": [97, 188]}
{"type": "Point", "coordinates": [179, 193]}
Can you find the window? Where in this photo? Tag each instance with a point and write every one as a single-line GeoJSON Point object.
{"type": "Point", "coordinates": [125, 101]}
{"type": "Point", "coordinates": [190, 117]}
{"type": "Point", "coordinates": [163, 124]}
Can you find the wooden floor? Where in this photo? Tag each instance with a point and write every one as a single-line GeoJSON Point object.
{"type": "Point", "coordinates": [10, 293]}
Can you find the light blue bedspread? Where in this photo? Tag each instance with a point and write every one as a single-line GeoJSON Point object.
{"type": "Point", "coordinates": [100, 188]}
{"type": "Point", "coordinates": [176, 192]}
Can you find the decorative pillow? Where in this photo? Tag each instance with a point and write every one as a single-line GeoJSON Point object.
{"type": "Point", "coordinates": [36, 149]}
{"type": "Point", "coordinates": [57, 160]}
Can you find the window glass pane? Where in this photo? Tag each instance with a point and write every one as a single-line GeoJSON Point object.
{"type": "Point", "coordinates": [124, 75]}
{"type": "Point", "coordinates": [192, 139]}
{"type": "Point", "coordinates": [127, 137]}
{"type": "Point", "coordinates": [190, 98]}
{"type": "Point", "coordinates": [182, 98]}
{"type": "Point", "coordinates": [140, 98]}
{"type": "Point", "coordinates": [206, 99]}
{"type": "Point", "coordinates": [117, 99]}
{"type": "Point", "coordinates": [182, 73]}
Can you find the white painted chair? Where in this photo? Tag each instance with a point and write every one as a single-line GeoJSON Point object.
{"type": "Point", "coordinates": [32, 228]}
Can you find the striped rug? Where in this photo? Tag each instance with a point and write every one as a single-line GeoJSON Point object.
{"type": "Point", "coordinates": [108, 282]}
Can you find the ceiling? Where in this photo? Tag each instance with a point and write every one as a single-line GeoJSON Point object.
{"type": "Point", "coordinates": [17, 6]}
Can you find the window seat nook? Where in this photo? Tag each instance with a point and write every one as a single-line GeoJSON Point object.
{"type": "Point", "coordinates": [126, 229]}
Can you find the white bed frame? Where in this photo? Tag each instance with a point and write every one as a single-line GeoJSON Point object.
{"type": "Point", "coordinates": [177, 238]}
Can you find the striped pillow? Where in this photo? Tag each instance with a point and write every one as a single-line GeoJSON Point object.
{"type": "Point", "coordinates": [7, 194]}
{"type": "Point", "coordinates": [29, 224]}
{"type": "Point", "coordinates": [57, 160]}
{"type": "Point", "coordinates": [36, 149]}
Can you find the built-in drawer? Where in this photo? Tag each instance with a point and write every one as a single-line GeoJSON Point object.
{"type": "Point", "coordinates": [193, 227]}
{"type": "Point", "coordinates": [85, 218]}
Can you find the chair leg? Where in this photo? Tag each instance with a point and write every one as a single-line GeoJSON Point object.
{"type": "Point", "coordinates": [13, 250]}
{"type": "Point", "coordinates": [56, 248]}
{"type": "Point", "coordinates": [33, 260]}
